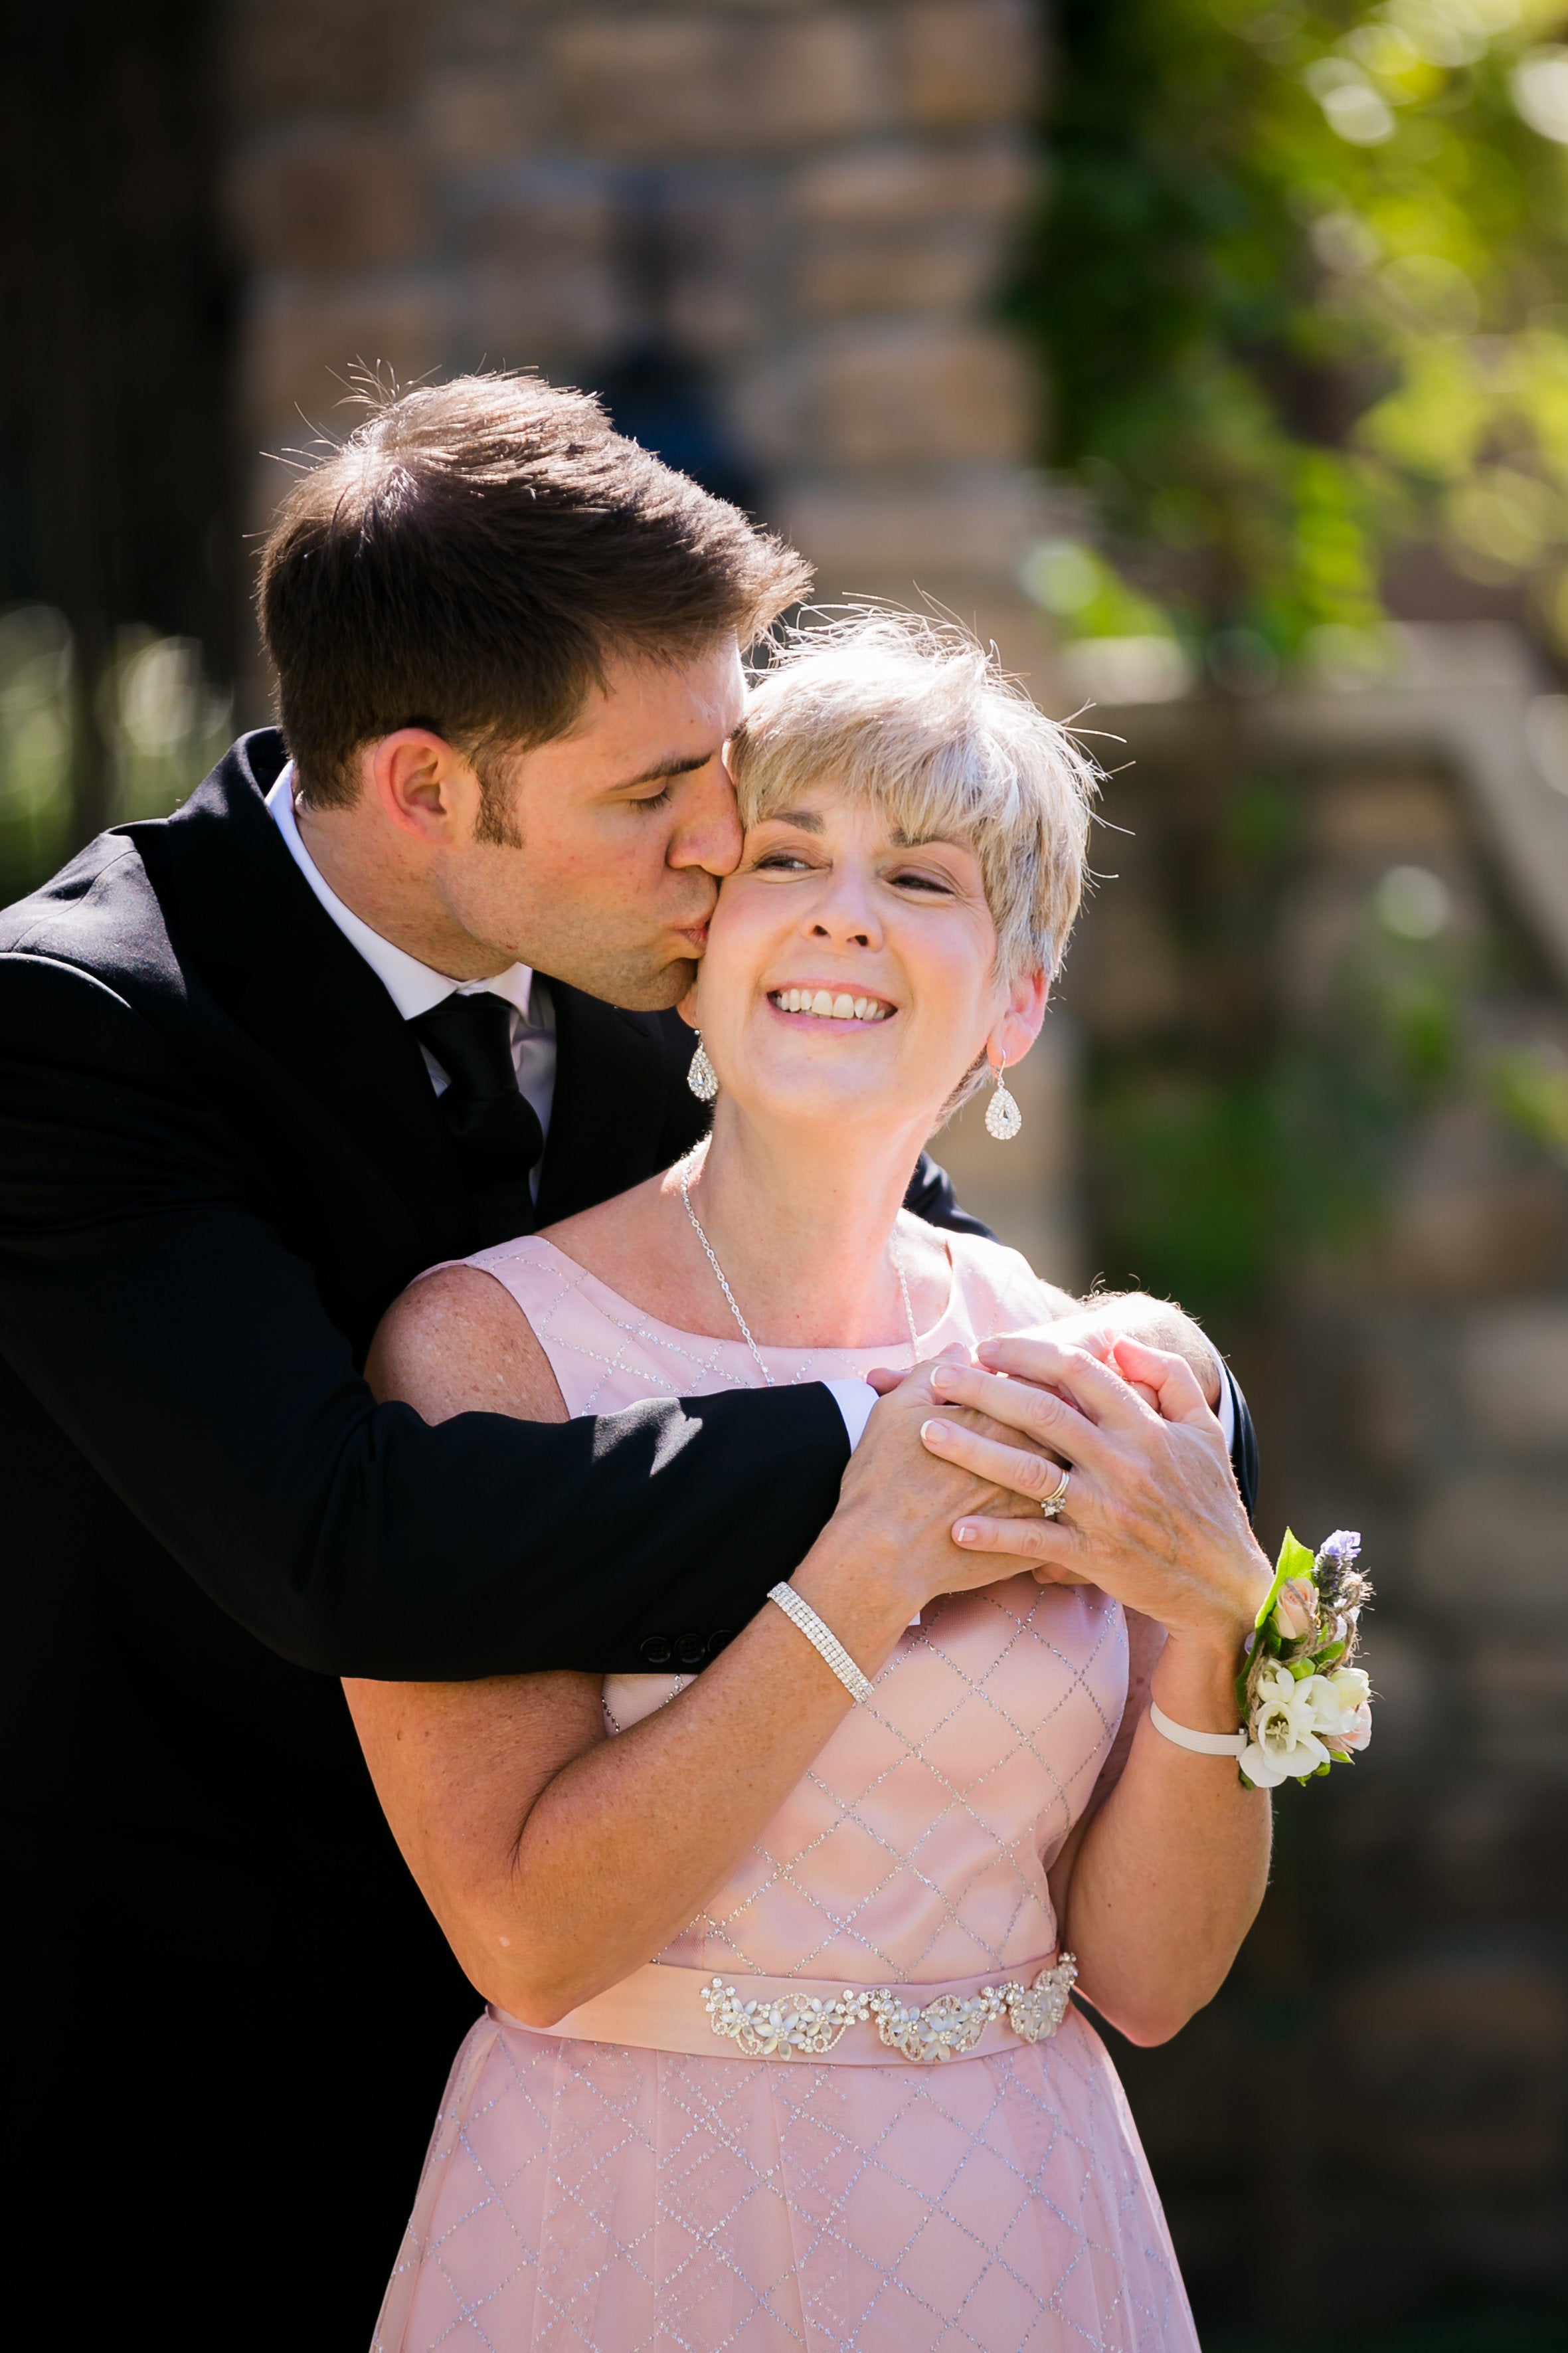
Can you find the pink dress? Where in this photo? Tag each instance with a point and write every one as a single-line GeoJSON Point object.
{"type": "Point", "coordinates": [632, 2179]}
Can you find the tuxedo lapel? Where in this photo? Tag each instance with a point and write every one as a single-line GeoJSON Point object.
{"type": "Point", "coordinates": [605, 1121]}
{"type": "Point", "coordinates": [289, 978]}
{"type": "Point", "coordinates": [248, 920]}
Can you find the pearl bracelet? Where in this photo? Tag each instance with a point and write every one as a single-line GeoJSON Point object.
{"type": "Point", "coordinates": [822, 1639]}
{"type": "Point", "coordinates": [1202, 1744]}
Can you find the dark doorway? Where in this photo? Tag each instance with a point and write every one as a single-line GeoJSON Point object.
{"type": "Point", "coordinates": [115, 503]}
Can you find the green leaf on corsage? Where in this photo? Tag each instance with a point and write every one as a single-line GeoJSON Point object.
{"type": "Point", "coordinates": [1294, 1560]}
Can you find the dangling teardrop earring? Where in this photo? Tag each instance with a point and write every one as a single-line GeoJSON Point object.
{"type": "Point", "coordinates": [1003, 1117]}
{"type": "Point", "coordinates": [702, 1078]}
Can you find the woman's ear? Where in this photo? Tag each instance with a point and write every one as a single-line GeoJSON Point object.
{"type": "Point", "coordinates": [1016, 1029]}
{"type": "Point", "coordinates": [687, 1009]}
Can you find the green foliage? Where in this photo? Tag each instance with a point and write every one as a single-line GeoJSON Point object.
{"type": "Point", "coordinates": [1530, 1087]}
{"type": "Point", "coordinates": [149, 717]}
{"type": "Point", "coordinates": [1242, 1142]}
{"type": "Point", "coordinates": [1300, 284]}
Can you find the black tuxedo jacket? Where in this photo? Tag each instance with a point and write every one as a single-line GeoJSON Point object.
{"type": "Point", "coordinates": [220, 1159]}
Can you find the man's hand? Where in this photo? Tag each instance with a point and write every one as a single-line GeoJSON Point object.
{"type": "Point", "coordinates": [1099, 1322]}
{"type": "Point", "coordinates": [888, 1548]}
{"type": "Point", "coordinates": [1151, 1514]}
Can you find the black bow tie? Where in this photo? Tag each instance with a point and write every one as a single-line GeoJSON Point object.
{"type": "Point", "coordinates": [495, 1128]}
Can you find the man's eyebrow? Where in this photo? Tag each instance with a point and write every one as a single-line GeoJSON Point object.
{"type": "Point", "coordinates": [676, 765]}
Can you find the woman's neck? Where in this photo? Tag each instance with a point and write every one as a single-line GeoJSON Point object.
{"type": "Point", "coordinates": [802, 1224]}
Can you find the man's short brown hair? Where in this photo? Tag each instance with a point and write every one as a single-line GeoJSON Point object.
{"type": "Point", "coordinates": [466, 559]}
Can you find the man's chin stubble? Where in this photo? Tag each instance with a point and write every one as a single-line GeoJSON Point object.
{"type": "Point", "coordinates": [633, 984]}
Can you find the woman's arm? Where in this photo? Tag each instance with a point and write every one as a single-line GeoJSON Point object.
{"type": "Point", "coordinates": [1157, 1887]}
{"type": "Point", "coordinates": [557, 1860]}
{"type": "Point", "coordinates": [1163, 1875]}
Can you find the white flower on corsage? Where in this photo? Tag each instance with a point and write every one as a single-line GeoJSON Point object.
{"type": "Point", "coordinates": [1306, 1708]}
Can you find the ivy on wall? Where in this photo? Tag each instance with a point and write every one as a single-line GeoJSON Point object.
{"type": "Point", "coordinates": [1300, 284]}
{"type": "Point", "coordinates": [1300, 281]}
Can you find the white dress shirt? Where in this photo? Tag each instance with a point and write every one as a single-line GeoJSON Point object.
{"type": "Point", "coordinates": [414, 988]}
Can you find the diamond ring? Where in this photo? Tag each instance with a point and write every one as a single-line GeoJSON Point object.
{"type": "Point", "coordinates": [1051, 1508]}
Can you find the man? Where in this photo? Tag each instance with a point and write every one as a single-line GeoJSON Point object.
{"type": "Point", "coordinates": [260, 1063]}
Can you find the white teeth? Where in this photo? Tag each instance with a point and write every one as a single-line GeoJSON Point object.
{"type": "Point", "coordinates": [843, 1008]}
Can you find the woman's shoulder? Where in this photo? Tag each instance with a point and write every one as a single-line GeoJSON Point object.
{"type": "Point", "coordinates": [461, 1339]}
{"type": "Point", "coordinates": [1000, 1288]}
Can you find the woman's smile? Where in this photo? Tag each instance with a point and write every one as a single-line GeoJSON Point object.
{"type": "Point", "coordinates": [816, 1000]}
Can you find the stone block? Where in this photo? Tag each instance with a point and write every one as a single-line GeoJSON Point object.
{"type": "Point", "coordinates": [1461, 1233]}
{"type": "Point", "coordinates": [976, 520]}
{"type": "Point", "coordinates": [850, 274]}
{"type": "Point", "coordinates": [986, 183]}
{"type": "Point", "coordinates": [331, 200]}
{"type": "Point", "coordinates": [1489, 1546]}
{"type": "Point", "coordinates": [481, 32]}
{"type": "Point", "coordinates": [1387, 818]}
{"type": "Point", "coordinates": [1126, 977]}
{"type": "Point", "coordinates": [965, 64]}
{"type": "Point", "coordinates": [535, 282]}
{"type": "Point", "coordinates": [471, 119]}
{"type": "Point", "coordinates": [288, 59]}
{"type": "Point", "coordinates": [298, 343]}
{"type": "Point", "coordinates": [556, 314]}
{"type": "Point", "coordinates": [515, 220]}
{"type": "Point", "coordinates": [1513, 1375]}
{"type": "Point", "coordinates": [1460, 2069]}
{"type": "Point", "coordinates": [919, 395]}
{"type": "Point", "coordinates": [687, 85]}
{"type": "Point", "coordinates": [1389, 1386]}
{"type": "Point", "coordinates": [1517, 1698]}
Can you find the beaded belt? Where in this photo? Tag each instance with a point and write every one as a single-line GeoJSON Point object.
{"type": "Point", "coordinates": [661, 2008]}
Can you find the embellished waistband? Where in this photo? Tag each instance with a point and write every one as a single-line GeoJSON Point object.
{"type": "Point", "coordinates": [660, 2008]}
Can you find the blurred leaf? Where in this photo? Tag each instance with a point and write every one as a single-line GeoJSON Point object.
{"type": "Point", "coordinates": [1297, 282]}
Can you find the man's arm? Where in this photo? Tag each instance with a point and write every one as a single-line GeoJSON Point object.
{"type": "Point", "coordinates": [183, 1347]}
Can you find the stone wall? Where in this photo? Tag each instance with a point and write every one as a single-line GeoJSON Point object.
{"type": "Point", "coordinates": [1410, 1377]}
{"type": "Point", "coordinates": [807, 209]}
{"type": "Point", "coordinates": [433, 186]}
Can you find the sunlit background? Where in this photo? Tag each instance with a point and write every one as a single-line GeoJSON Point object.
{"type": "Point", "coordinates": [1214, 360]}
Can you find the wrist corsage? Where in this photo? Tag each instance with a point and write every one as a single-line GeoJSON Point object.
{"type": "Point", "coordinates": [1305, 1705]}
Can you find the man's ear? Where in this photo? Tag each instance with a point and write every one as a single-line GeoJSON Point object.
{"type": "Point", "coordinates": [1016, 1029]}
{"type": "Point", "coordinates": [422, 785]}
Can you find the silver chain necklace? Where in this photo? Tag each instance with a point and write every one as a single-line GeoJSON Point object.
{"type": "Point", "coordinates": [734, 1303]}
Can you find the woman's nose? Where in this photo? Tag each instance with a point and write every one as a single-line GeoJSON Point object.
{"type": "Point", "coordinates": [844, 915]}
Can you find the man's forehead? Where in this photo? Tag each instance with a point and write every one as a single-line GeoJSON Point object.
{"type": "Point", "coordinates": [698, 692]}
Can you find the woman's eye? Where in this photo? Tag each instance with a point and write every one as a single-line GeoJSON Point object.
{"type": "Point", "coordinates": [781, 862]}
{"type": "Point", "coordinates": [936, 883]}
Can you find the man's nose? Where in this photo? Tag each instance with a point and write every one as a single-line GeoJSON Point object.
{"type": "Point", "coordinates": [709, 833]}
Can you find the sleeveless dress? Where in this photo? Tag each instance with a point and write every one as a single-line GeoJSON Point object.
{"type": "Point", "coordinates": [633, 2179]}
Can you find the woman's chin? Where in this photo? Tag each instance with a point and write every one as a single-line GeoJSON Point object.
{"type": "Point", "coordinates": [831, 1110]}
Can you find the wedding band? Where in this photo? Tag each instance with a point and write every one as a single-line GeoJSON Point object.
{"type": "Point", "coordinates": [1051, 1508]}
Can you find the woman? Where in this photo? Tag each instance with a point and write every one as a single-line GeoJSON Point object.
{"type": "Point", "coordinates": [884, 1812]}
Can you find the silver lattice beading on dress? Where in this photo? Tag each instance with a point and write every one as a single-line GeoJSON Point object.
{"type": "Point", "coordinates": [947, 2027]}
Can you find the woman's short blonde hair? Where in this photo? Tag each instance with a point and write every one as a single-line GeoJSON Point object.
{"type": "Point", "coordinates": [915, 715]}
